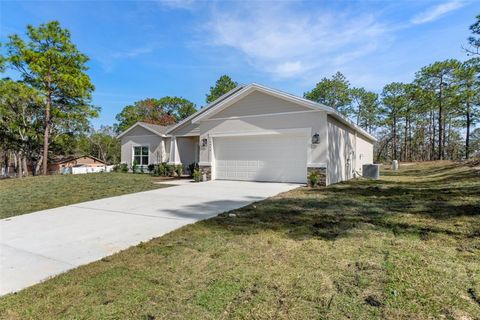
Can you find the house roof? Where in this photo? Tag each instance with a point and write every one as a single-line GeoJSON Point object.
{"type": "Point", "coordinates": [154, 128]}
{"type": "Point", "coordinates": [243, 90]}
{"type": "Point", "coordinates": [236, 94]}
{"type": "Point", "coordinates": [207, 107]}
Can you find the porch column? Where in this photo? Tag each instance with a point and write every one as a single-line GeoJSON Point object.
{"type": "Point", "coordinates": [174, 156]}
{"type": "Point", "coordinates": [205, 163]}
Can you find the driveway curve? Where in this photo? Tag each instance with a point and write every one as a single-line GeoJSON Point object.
{"type": "Point", "coordinates": [39, 245]}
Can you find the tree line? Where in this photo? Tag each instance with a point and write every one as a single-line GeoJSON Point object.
{"type": "Point", "coordinates": [47, 112]}
{"type": "Point", "coordinates": [168, 110]}
{"type": "Point", "coordinates": [51, 100]}
{"type": "Point", "coordinates": [431, 118]}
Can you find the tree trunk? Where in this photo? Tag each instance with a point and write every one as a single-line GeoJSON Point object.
{"type": "Point", "coordinates": [25, 166]}
{"type": "Point", "coordinates": [394, 154]}
{"type": "Point", "coordinates": [432, 141]}
{"type": "Point", "coordinates": [359, 113]}
{"type": "Point", "coordinates": [46, 134]}
{"type": "Point", "coordinates": [440, 123]}
{"type": "Point", "coordinates": [38, 165]}
{"type": "Point", "coordinates": [17, 162]}
{"type": "Point", "coordinates": [6, 159]}
{"type": "Point", "coordinates": [467, 137]}
{"type": "Point", "coordinates": [405, 141]}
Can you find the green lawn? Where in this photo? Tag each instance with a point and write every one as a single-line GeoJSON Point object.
{"type": "Point", "coordinates": [20, 196]}
{"type": "Point", "coordinates": [404, 247]}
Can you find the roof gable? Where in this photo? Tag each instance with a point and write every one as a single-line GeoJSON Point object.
{"type": "Point", "coordinates": [189, 119]}
{"type": "Point", "coordinates": [245, 91]}
{"type": "Point", "coordinates": [153, 128]}
{"type": "Point", "coordinates": [242, 91]}
{"type": "Point", "coordinates": [258, 103]}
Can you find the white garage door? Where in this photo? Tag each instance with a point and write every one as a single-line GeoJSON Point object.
{"type": "Point", "coordinates": [280, 158]}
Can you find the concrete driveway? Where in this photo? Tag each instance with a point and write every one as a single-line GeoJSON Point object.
{"type": "Point", "coordinates": [36, 246]}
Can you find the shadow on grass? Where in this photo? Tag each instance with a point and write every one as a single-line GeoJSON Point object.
{"type": "Point", "coordinates": [202, 210]}
{"type": "Point", "coordinates": [336, 211]}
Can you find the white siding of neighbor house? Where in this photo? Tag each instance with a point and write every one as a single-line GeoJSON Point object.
{"type": "Point", "coordinates": [141, 137]}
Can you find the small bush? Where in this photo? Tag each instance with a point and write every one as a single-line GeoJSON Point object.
{"type": "Point", "coordinates": [135, 167]}
{"type": "Point", "coordinates": [191, 168]}
{"type": "Point", "coordinates": [313, 179]}
{"type": "Point", "coordinates": [151, 167]}
{"type": "Point", "coordinates": [170, 170]}
{"type": "Point", "coordinates": [121, 167]}
{"type": "Point", "coordinates": [162, 169]}
{"type": "Point", "coordinates": [179, 170]}
{"type": "Point", "coordinates": [197, 175]}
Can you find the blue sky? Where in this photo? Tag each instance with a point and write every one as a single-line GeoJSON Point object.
{"type": "Point", "coordinates": [141, 49]}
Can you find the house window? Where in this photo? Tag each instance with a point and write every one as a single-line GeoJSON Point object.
{"type": "Point", "coordinates": [140, 155]}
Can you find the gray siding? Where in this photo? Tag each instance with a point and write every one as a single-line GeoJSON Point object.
{"type": "Point", "coordinates": [316, 121]}
{"type": "Point", "coordinates": [187, 129]}
{"type": "Point", "coordinates": [364, 152]}
{"type": "Point", "coordinates": [187, 149]}
{"type": "Point", "coordinates": [341, 151]}
{"type": "Point", "coordinates": [258, 103]}
{"type": "Point", "coordinates": [141, 137]}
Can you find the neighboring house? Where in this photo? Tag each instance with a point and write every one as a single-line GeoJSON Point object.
{"type": "Point", "coordinates": [58, 165]}
{"type": "Point", "coordinates": [256, 133]}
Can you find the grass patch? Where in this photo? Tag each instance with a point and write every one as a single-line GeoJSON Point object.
{"type": "Point", "coordinates": [20, 196]}
{"type": "Point", "coordinates": [404, 247]}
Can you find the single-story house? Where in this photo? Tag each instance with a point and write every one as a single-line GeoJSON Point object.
{"type": "Point", "coordinates": [256, 133]}
{"type": "Point", "coordinates": [59, 164]}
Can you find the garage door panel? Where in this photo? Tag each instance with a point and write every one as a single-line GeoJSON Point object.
{"type": "Point", "coordinates": [280, 158]}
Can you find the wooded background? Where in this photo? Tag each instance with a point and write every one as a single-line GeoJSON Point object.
{"type": "Point", "coordinates": [46, 112]}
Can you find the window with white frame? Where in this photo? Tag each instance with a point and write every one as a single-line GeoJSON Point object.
{"type": "Point", "coordinates": [140, 155]}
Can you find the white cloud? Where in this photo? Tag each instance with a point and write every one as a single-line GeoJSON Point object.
{"type": "Point", "coordinates": [289, 68]}
{"type": "Point", "coordinates": [436, 12]}
{"type": "Point", "coordinates": [285, 42]}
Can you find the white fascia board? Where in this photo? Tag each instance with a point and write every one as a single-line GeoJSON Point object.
{"type": "Point", "coordinates": [352, 125]}
{"type": "Point", "coordinates": [204, 109]}
{"type": "Point", "coordinates": [223, 104]}
{"type": "Point", "coordinates": [317, 105]}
